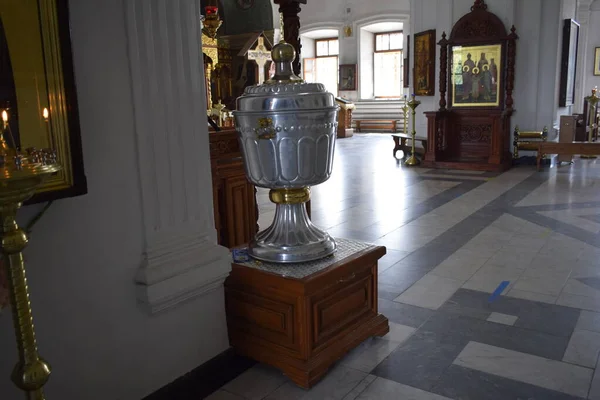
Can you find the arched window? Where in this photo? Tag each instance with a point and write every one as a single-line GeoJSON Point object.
{"type": "Point", "coordinates": [320, 52]}
{"type": "Point", "coordinates": [387, 65]}
{"type": "Point", "coordinates": [381, 60]}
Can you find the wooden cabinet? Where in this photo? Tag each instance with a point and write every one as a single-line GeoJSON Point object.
{"type": "Point", "coordinates": [471, 130]}
{"type": "Point", "coordinates": [344, 129]}
{"type": "Point", "coordinates": [303, 325]}
{"type": "Point", "coordinates": [234, 198]}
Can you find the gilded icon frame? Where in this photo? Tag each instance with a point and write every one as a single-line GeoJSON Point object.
{"type": "Point", "coordinates": [37, 34]}
{"type": "Point", "coordinates": [424, 64]}
{"type": "Point", "coordinates": [488, 80]}
{"type": "Point", "coordinates": [347, 80]}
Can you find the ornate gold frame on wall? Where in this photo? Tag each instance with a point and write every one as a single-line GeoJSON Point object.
{"type": "Point", "coordinates": [37, 34]}
{"type": "Point", "coordinates": [497, 53]}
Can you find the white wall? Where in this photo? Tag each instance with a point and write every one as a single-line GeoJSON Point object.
{"type": "Point", "coordinates": [367, 40]}
{"type": "Point", "coordinates": [568, 11]}
{"type": "Point", "coordinates": [84, 253]}
{"type": "Point", "coordinates": [355, 13]}
{"type": "Point", "coordinates": [538, 24]}
{"type": "Point", "coordinates": [593, 42]}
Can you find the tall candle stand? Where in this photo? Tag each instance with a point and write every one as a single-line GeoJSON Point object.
{"type": "Point", "coordinates": [20, 176]}
{"type": "Point", "coordinates": [413, 161]}
{"type": "Point", "coordinates": [592, 101]}
{"type": "Point", "coordinates": [405, 109]}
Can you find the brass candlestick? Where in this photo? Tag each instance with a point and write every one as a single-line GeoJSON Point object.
{"type": "Point", "coordinates": [405, 109]}
{"type": "Point", "coordinates": [413, 161]}
{"type": "Point", "coordinates": [593, 101]}
{"type": "Point", "coordinates": [20, 176]}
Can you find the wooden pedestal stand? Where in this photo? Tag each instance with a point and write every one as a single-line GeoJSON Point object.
{"type": "Point", "coordinates": [302, 318]}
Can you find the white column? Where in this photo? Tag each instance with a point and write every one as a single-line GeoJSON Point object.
{"type": "Point", "coordinates": [583, 17]}
{"type": "Point", "coordinates": [181, 258]}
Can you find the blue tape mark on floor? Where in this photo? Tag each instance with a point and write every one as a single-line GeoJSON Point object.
{"type": "Point", "coordinates": [498, 291]}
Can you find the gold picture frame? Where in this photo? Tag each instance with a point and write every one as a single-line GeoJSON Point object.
{"type": "Point", "coordinates": [36, 55]}
{"type": "Point", "coordinates": [477, 75]}
{"type": "Point", "coordinates": [424, 68]}
{"type": "Point", "coordinates": [597, 62]}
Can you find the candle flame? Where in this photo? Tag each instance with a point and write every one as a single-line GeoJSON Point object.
{"type": "Point", "coordinates": [4, 116]}
{"type": "Point", "coordinates": [45, 113]}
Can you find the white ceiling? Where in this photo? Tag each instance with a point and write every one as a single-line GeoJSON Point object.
{"type": "Point", "coordinates": [322, 34]}
{"type": "Point", "coordinates": [384, 27]}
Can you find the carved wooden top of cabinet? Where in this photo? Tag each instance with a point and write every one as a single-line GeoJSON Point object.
{"type": "Point", "coordinates": [224, 144]}
{"type": "Point", "coordinates": [337, 271]}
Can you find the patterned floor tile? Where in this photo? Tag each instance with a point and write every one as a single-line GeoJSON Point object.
{"type": "Point", "coordinates": [337, 384]}
{"type": "Point", "coordinates": [404, 314]}
{"type": "Point", "coordinates": [550, 374]}
{"type": "Point", "coordinates": [503, 319]}
{"type": "Point", "coordinates": [589, 321]}
{"type": "Point", "coordinates": [521, 294]}
{"type": "Point", "coordinates": [358, 389]}
{"type": "Point", "coordinates": [460, 329]}
{"type": "Point", "coordinates": [223, 395]}
{"type": "Point", "coordinates": [583, 348]}
{"type": "Point", "coordinates": [256, 383]}
{"type": "Point", "coordinates": [369, 354]}
{"type": "Point", "coordinates": [431, 292]}
{"type": "Point", "coordinates": [384, 389]}
{"type": "Point", "coordinates": [421, 360]}
{"type": "Point", "coordinates": [468, 384]}
{"type": "Point", "coordinates": [594, 393]}
{"type": "Point", "coordinates": [533, 315]}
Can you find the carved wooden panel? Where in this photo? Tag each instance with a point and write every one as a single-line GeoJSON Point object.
{"type": "Point", "coordinates": [240, 210]}
{"type": "Point", "coordinates": [268, 319]}
{"type": "Point", "coordinates": [234, 198]}
{"type": "Point", "coordinates": [337, 309]}
{"type": "Point", "coordinates": [481, 133]}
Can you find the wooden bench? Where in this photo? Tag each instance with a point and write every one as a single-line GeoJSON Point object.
{"type": "Point", "coordinates": [575, 148]}
{"type": "Point", "coordinates": [376, 124]}
{"type": "Point", "coordinates": [400, 140]}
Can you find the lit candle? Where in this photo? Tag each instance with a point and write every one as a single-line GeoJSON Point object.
{"type": "Point", "coordinates": [46, 115]}
{"type": "Point", "coordinates": [5, 118]}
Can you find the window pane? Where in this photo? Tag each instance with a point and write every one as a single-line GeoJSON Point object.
{"type": "Point", "coordinates": [309, 70]}
{"type": "Point", "coordinates": [378, 43]}
{"type": "Point", "coordinates": [388, 74]}
{"type": "Point", "coordinates": [327, 73]}
{"type": "Point", "coordinates": [334, 47]}
{"type": "Point", "coordinates": [396, 41]}
{"type": "Point", "coordinates": [385, 42]}
{"type": "Point", "coordinates": [322, 48]}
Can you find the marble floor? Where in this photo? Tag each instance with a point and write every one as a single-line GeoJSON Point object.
{"type": "Point", "coordinates": [491, 282]}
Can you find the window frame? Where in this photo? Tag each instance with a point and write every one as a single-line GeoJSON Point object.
{"type": "Point", "coordinates": [401, 49]}
{"type": "Point", "coordinates": [375, 51]}
{"type": "Point", "coordinates": [327, 40]}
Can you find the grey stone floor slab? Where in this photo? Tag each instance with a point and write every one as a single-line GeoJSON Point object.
{"type": "Point", "coordinates": [548, 318]}
{"type": "Point", "coordinates": [404, 314]}
{"type": "Point", "coordinates": [468, 384]}
{"type": "Point", "coordinates": [421, 360]}
{"type": "Point", "coordinates": [461, 329]}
